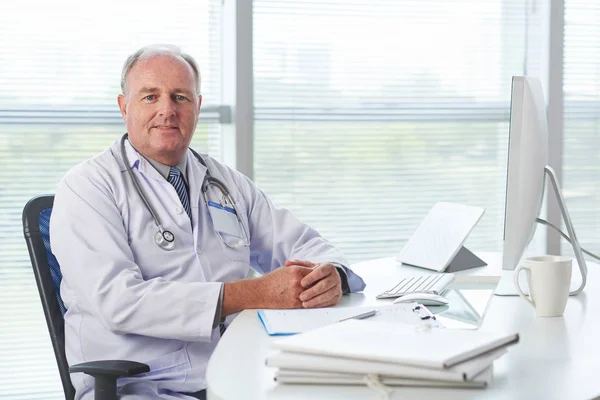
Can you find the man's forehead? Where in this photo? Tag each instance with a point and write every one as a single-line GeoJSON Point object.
{"type": "Point", "coordinates": [163, 58]}
{"type": "Point", "coordinates": [161, 66]}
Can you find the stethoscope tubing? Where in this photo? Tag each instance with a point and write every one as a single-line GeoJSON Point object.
{"type": "Point", "coordinates": [136, 183]}
{"type": "Point", "coordinates": [164, 238]}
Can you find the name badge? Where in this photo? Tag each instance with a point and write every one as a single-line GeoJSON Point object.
{"type": "Point", "coordinates": [224, 219]}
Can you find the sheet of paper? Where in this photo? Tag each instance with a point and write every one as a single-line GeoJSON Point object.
{"type": "Point", "coordinates": [286, 322]}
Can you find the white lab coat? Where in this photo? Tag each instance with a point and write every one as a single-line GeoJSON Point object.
{"type": "Point", "coordinates": [127, 298]}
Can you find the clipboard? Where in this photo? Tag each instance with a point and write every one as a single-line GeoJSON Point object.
{"type": "Point", "coordinates": [291, 322]}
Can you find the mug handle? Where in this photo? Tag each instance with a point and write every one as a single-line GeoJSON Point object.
{"type": "Point", "coordinates": [516, 280]}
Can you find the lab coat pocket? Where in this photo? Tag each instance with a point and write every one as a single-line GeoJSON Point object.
{"type": "Point", "coordinates": [233, 241]}
{"type": "Point", "coordinates": [236, 251]}
{"type": "Point", "coordinates": [172, 368]}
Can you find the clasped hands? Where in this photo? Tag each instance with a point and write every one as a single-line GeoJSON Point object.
{"type": "Point", "coordinates": [303, 284]}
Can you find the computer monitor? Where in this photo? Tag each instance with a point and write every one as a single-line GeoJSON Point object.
{"type": "Point", "coordinates": [525, 181]}
{"type": "Point", "coordinates": [527, 160]}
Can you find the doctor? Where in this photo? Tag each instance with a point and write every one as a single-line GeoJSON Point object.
{"type": "Point", "coordinates": [155, 242]}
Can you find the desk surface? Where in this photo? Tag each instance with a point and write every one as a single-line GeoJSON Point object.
{"type": "Point", "coordinates": [555, 358]}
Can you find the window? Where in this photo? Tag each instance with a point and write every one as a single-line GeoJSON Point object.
{"type": "Point", "coordinates": [60, 74]}
{"type": "Point", "coordinates": [367, 113]}
{"type": "Point", "coordinates": [581, 145]}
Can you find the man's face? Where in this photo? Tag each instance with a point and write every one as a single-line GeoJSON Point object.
{"type": "Point", "coordinates": [161, 107]}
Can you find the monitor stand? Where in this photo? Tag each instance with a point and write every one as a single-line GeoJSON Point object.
{"type": "Point", "coordinates": [506, 286]}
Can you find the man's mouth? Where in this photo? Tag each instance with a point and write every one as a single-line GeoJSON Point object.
{"type": "Point", "coordinates": [165, 127]}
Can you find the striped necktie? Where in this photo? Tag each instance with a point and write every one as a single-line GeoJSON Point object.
{"type": "Point", "coordinates": [176, 180]}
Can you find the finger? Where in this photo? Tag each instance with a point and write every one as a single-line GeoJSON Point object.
{"type": "Point", "coordinates": [305, 270]}
{"type": "Point", "coordinates": [324, 299]}
{"type": "Point", "coordinates": [300, 263]}
{"type": "Point", "coordinates": [329, 303]}
{"type": "Point", "coordinates": [320, 287]}
{"type": "Point", "coordinates": [318, 273]}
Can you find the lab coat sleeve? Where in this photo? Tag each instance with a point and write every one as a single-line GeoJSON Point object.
{"type": "Point", "coordinates": [91, 245]}
{"type": "Point", "coordinates": [276, 235]}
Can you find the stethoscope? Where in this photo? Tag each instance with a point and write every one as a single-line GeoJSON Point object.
{"type": "Point", "coordinates": [165, 238]}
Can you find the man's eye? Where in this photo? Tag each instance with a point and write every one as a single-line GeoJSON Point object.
{"type": "Point", "coordinates": [180, 97]}
{"type": "Point", "coordinates": [150, 97]}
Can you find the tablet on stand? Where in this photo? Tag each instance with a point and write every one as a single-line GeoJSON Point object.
{"type": "Point", "coordinates": [437, 244]}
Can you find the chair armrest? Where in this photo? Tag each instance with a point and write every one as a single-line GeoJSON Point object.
{"type": "Point", "coordinates": [118, 368]}
{"type": "Point", "coordinates": [106, 372]}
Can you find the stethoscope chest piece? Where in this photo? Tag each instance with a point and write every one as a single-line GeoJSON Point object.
{"type": "Point", "coordinates": [165, 240]}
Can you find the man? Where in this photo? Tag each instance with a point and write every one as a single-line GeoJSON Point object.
{"type": "Point", "coordinates": [154, 251]}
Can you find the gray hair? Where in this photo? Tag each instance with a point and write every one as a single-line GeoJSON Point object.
{"type": "Point", "coordinates": [159, 50]}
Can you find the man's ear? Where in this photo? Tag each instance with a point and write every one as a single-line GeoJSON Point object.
{"type": "Point", "coordinates": [199, 104]}
{"type": "Point", "coordinates": [122, 100]}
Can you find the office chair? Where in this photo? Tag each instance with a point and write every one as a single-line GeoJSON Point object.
{"type": "Point", "coordinates": [36, 228]}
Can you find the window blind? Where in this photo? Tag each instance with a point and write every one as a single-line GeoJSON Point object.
{"type": "Point", "coordinates": [60, 65]}
{"type": "Point", "coordinates": [369, 112]}
{"type": "Point", "coordinates": [581, 151]}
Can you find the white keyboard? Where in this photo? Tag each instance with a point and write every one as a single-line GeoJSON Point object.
{"type": "Point", "coordinates": [433, 283]}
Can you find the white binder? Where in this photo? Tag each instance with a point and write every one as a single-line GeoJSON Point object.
{"type": "Point", "coordinates": [396, 343]}
{"type": "Point", "coordinates": [330, 378]}
{"type": "Point", "coordinates": [322, 364]}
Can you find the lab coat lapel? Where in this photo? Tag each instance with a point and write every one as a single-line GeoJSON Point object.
{"type": "Point", "coordinates": [139, 162]}
{"type": "Point", "coordinates": [196, 173]}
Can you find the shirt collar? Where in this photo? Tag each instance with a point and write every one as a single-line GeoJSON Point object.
{"type": "Point", "coordinates": [163, 169]}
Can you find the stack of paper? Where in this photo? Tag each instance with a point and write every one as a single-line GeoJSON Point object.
{"type": "Point", "coordinates": [347, 352]}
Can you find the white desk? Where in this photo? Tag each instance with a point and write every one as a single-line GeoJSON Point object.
{"type": "Point", "coordinates": [556, 358]}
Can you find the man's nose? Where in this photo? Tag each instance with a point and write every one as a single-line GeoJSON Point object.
{"type": "Point", "coordinates": [166, 107]}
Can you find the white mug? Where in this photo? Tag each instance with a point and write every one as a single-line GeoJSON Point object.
{"type": "Point", "coordinates": [549, 281]}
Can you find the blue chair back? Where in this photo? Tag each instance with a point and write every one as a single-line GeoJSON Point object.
{"type": "Point", "coordinates": [36, 223]}
{"type": "Point", "coordinates": [52, 262]}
